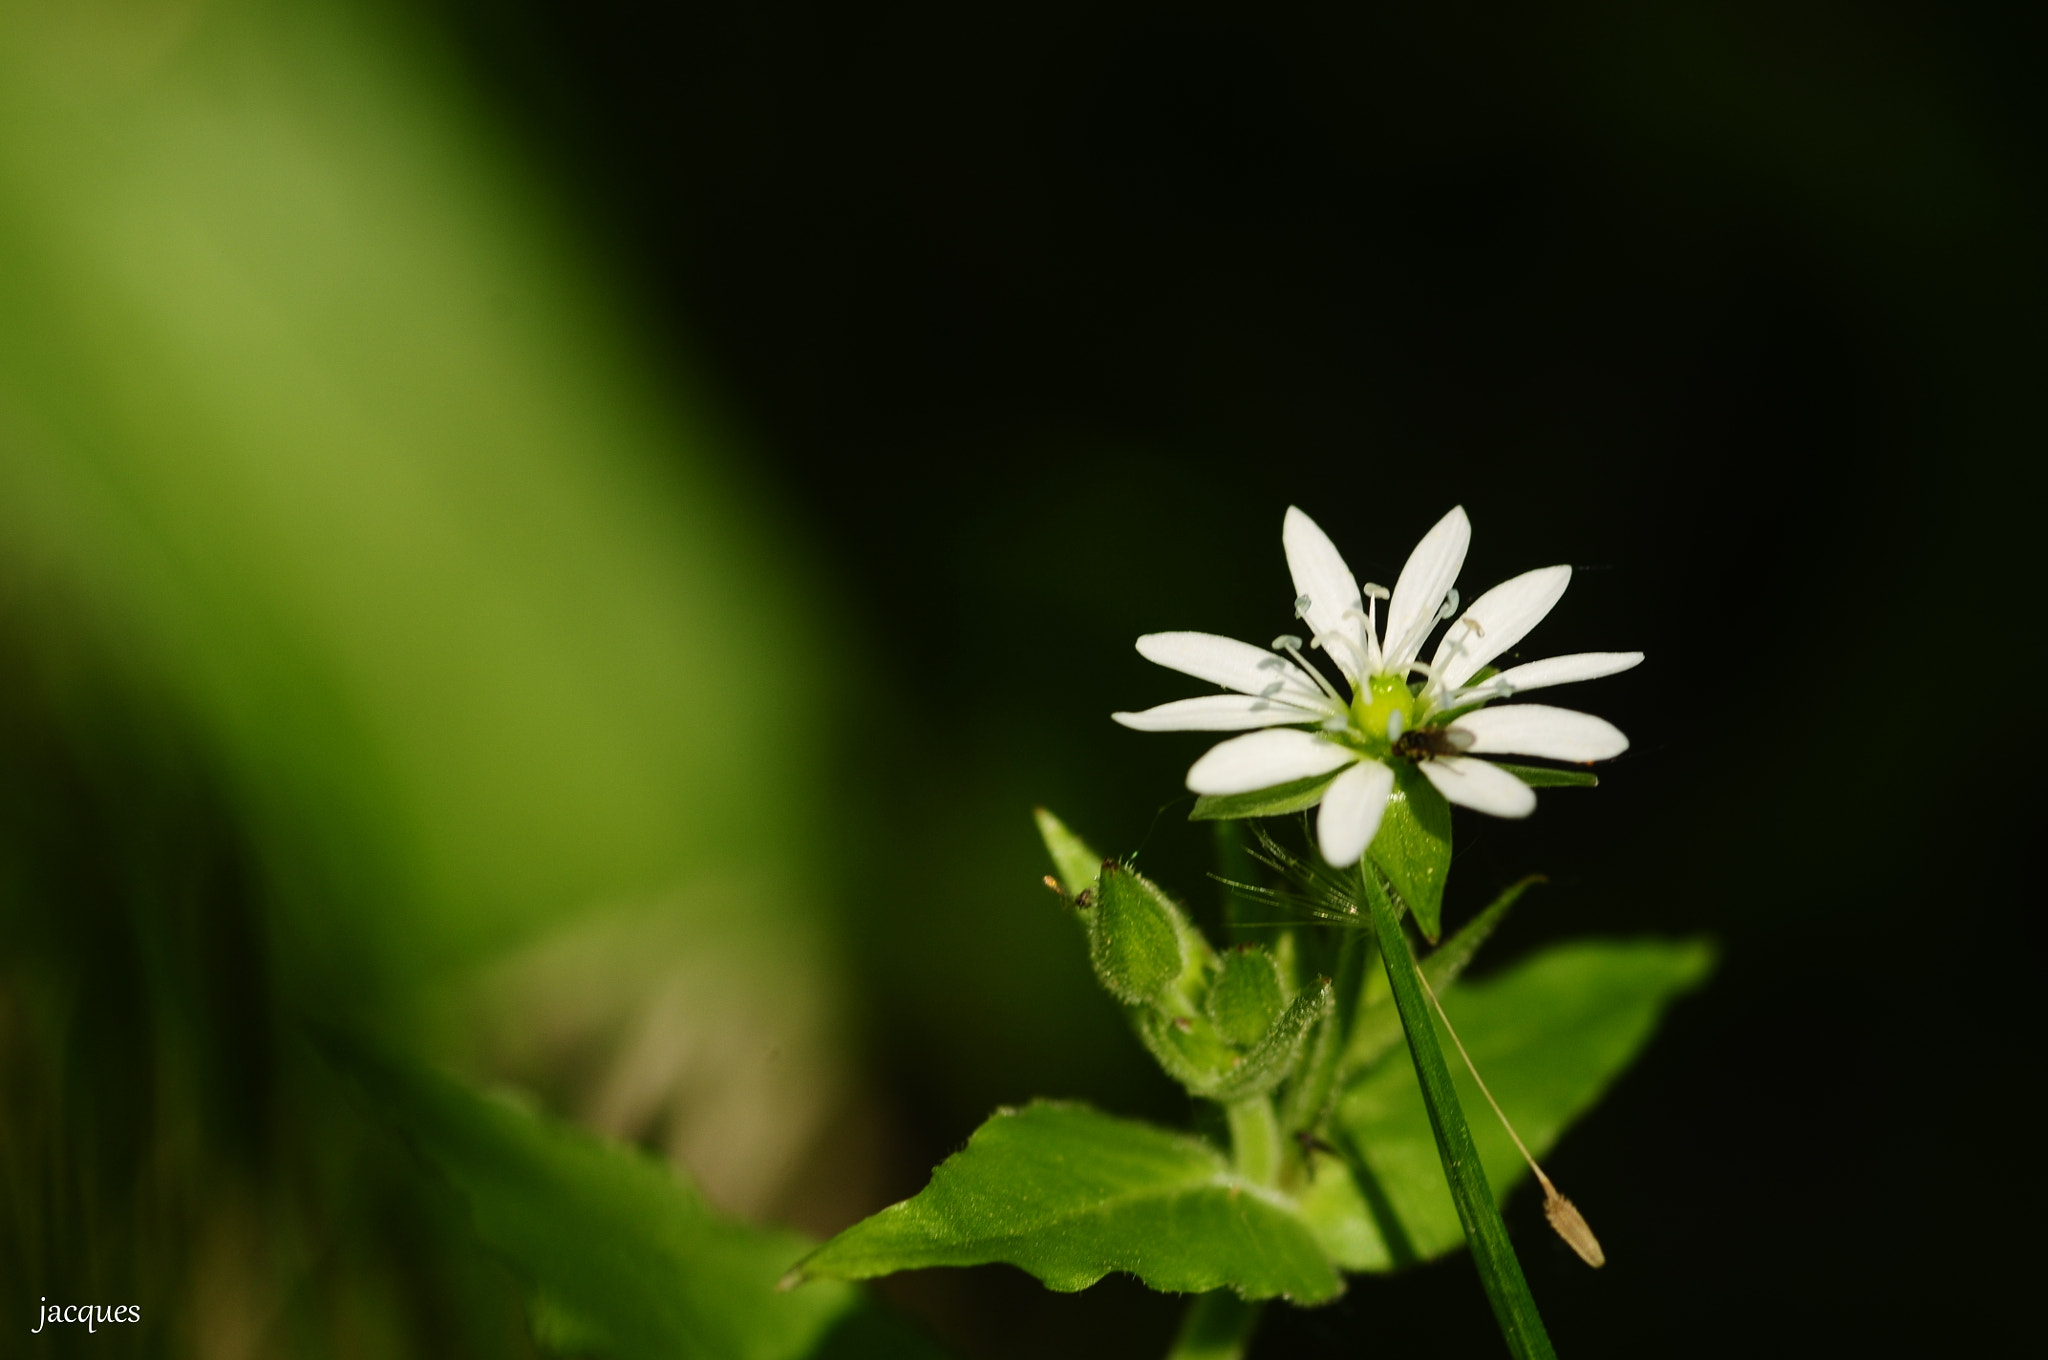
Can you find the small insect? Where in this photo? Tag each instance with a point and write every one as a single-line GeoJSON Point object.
{"type": "Point", "coordinates": [1309, 1142]}
{"type": "Point", "coordinates": [1424, 743]}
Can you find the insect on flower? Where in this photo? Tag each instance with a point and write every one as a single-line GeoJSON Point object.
{"type": "Point", "coordinates": [1439, 724]}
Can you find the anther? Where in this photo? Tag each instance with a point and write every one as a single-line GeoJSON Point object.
{"type": "Point", "coordinates": [1450, 605]}
{"type": "Point", "coordinates": [1373, 590]}
{"type": "Point", "coordinates": [1301, 604]}
{"type": "Point", "coordinates": [1291, 645]}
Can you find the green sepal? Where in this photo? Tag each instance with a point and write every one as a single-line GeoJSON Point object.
{"type": "Point", "coordinates": [1273, 1060]}
{"type": "Point", "coordinates": [1413, 847]}
{"type": "Point", "coordinates": [1069, 1194]}
{"type": "Point", "coordinates": [1296, 796]}
{"type": "Point", "coordinates": [1074, 863]}
{"type": "Point", "coordinates": [1543, 777]}
{"type": "Point", "coordinates": [1186, 1047]}
{"type": "Point", "coordinates": [1137, 937]}
{"type": "Point", "coordinates": [1194, 1054]}
{"type": "Point", "coordinates": [1246, 996]}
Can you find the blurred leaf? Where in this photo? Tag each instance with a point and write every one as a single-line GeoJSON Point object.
{"type": "Point", "coordinates": [619, 1255]}
{"type": "Point", "coordinates": [1281, 798]}
{"type": "Point", "coordinates": [1378, 1027]}
{"type": "Point", "coordinates": [1543, 777]}
{"type": "Point", "coordinates": [316, 412]}
{"type": "Point", "coordinates": [1413, 847]}
{"type": "Point", "coordinates": [1070, 1194]}
{"type": "Point", "coordinates": [1076, 865]}
{"type": "Point", "coordinates": [1550, 1035]}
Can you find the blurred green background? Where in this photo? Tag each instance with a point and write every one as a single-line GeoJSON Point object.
{"type": "Point", "coordinates": [572, 537]}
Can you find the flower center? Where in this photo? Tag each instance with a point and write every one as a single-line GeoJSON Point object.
{"type": "Point", "coordinates": [1382, 710]}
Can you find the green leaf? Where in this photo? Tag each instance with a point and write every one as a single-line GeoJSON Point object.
{"type": "Point", "coordinates": [619, 1255]}
{"type": "Point", "coordinates": [1378, 1027]}
{"type": "Point", "coordinates": [1549, 1035]}
{"type": "Point", "coordinates": [1276, 801]}
{"type": "Point", "coordinates": [1413, 847]}
{"type": "Point", "coordinates": [1246, 996]}
{"type": "Point", "coordinates": [1076, 865]}
{"type": "Point", "coordinates": [1136, 936]}
{"type": "Point", "coordinates": [1543, 777]}
{"type": "Point", "coordinates": [1070, 1194]}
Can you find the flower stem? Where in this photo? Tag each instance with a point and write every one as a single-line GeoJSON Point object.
{"type": "Point", "coordinates": [1218, 1326]}
{"type": "Point", "coordinates": [1500, 1273]}
{"type": "Point", "coordinates": [1255, 1144]}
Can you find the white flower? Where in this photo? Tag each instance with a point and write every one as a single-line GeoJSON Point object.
{"type": "Point", "coordinates": [1437, 725]}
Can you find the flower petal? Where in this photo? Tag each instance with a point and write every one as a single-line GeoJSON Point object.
{"type": "Point", "coordinates": [1553, 670]}
{"type": "Point", "coordinates": [1431, 571]}
{"type": "Point", "coordinates": [1480, 786]}
{"type": "Point", "coordinates": [1352, 808]}
{"type": "Point", "coordinates": [1263, 759]}
{"type": "Point", "coordinates": [1232, 664]}
{"type": "Point", "coordinates": [1495, 622]}
{"type": "Point", "coordinates": [1218, 713]}
{"type": "Point", "coordinates": [1542, 731]}
{"type": "Point", "coordinates": [1320, 574]}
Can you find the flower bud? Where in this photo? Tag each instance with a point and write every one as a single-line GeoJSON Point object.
{"type": "Point", "coordinates": [1134, 936]}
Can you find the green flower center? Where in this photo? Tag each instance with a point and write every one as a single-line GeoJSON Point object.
{"type": "Point", "coordinates": [1382, 711]}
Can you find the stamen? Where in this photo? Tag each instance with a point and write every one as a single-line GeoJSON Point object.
{"type": "Point", "coordinates": [1291, 645]}
{"type": "Point", "coordinates": [1374, 592]}
{"type": "Point", "coordinates": [1565, 1218]}
{"type": "Point", "coordinates": [1371, 659]}
{"type": "Point", "coordinates": [1323, 639]}
{"type": "Point", "coordinates": [1301, 606]}
{"type": "Point", "coordinates": [1449, 609]}
{"type": "Point", "coordinates": [1418, 632]}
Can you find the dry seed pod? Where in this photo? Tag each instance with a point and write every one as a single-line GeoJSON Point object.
{"type": "Point", "coordinates": [1570, 1224]}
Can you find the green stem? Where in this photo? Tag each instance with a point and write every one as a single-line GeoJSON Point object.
{"type": "Point", "coordinates": [1514, 1308]}
{"type": "Point", "coordinates": [1218, 1327]}
{"type": "Point", "coordinates": [1255, 1139]}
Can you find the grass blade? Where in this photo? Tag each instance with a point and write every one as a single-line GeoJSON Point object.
{"type": "Point", "coordinates": [1500, 1273]}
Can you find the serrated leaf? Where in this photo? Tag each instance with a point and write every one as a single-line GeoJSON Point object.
{"type": "Point", "coordinates": [1296, 796]}
{"type": "Point", "coordinates": [1070, 1194]}
{"type": "Point", "coordinates": [1550, 1035]}
{"type": "Point", "coordinates": [1378, 1027]}
{"type": "Point", "coordinates": [1072, 860]}
{"type": "Point", "coordinates": [620, 1256]}
{"type": "Point", "coordinates": [1413, 847]}
{"type": "Point", "coordinates": [1544, 777]}
{"type": "Point", "coordinates": [1246, 996]}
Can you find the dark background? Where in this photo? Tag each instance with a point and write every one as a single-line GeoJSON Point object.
{"type": "Point", "coordinates": [1034, 319]}
{"type": "Point", "coordinates": [1043, 314]}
